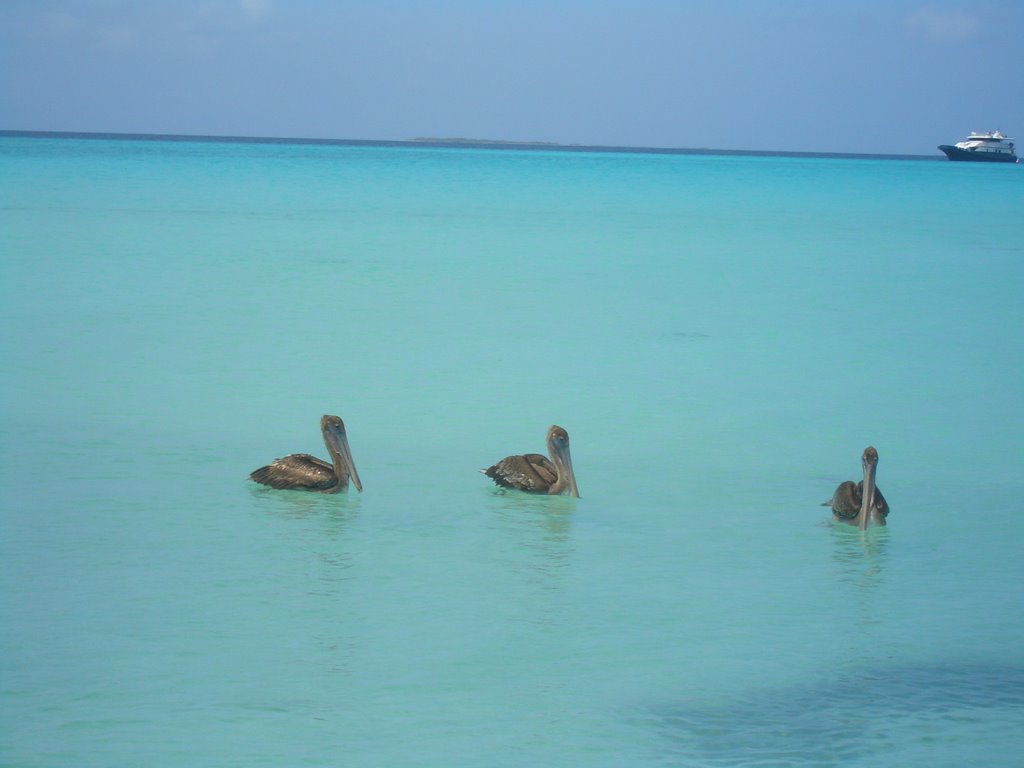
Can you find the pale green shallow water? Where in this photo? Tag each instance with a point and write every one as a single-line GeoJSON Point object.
{"type": "Point", "coordinates": [721, 336]}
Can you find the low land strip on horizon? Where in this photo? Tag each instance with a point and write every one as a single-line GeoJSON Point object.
{"type": "Point", "coordinates": [460, 143]}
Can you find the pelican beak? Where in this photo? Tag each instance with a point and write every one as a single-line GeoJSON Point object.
{"type": "Point", "coordinates": [566, 458]}
{"type": "Point", "coordinates": [339, 439]}
{"type": "Point", "coordinates": [867, 502]}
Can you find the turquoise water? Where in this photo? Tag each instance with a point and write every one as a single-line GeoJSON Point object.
{"type": "Point", "coordinates": [721, 336]}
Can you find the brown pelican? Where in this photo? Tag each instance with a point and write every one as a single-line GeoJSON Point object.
{"type": "Point", "coordinates": [302, 472]}
{"type": "Point", "coordinates": [860, 503]}
{"type": "Point", "coordinates": [535, 473]}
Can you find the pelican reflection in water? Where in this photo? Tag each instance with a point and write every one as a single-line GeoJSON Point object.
{"type": "Point", "coordinates": [860, 503]}
{"type": "Point", "coordinates": [302, 472]}
{"type": "Point", "coordinates": [538, 474]}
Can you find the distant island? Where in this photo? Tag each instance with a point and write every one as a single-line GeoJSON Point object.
{"type": "Point", "coordinates": [490, 142]}
{"type": "Point", "coordinates": [457, 143]}
{"type": "Point", "coordinates": [554, 145]}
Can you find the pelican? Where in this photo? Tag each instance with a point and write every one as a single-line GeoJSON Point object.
{"type": "Point", "coordinates": [860, 503]}
{"type": "Point", "coordinates": [302, 472]}
{"type": "Point", "coordinates": [535, 473]}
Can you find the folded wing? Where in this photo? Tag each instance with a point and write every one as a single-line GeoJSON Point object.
{"type": "Point", "coordinates": [529, 472]}
{"type": "Point", "coordinates": [297, 471]}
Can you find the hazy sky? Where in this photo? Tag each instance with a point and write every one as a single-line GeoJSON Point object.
{"type": "Point", "coordinates": [831, 75]}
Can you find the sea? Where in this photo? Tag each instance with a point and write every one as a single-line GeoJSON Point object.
{"type": "Point", "coordinates": [721, 335]}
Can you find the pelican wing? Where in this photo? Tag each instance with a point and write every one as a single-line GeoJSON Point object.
{"type": "Point", "coordinates": [531, 472]}
{"type": "Point", "coordinates": [299, 470]}
{"type": "Point", "coordinates": [847, 499]}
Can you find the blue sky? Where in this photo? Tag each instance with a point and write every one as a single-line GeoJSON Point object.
{"type": "Point", "coordinates": [839, 75]}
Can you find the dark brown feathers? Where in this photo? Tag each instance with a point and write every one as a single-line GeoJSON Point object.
{"type": "Point", "coordinates": [529, 472]}
{"type": "Point", "coordinates": [297, 471]}
{"type": "Point", "coordinates": [848, 497]}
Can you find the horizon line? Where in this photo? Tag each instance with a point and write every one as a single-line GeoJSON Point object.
{"type": "Point", "coordinates": [457, 143]}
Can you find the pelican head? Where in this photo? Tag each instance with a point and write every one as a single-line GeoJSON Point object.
{"type": "Point", "coordinates": [558, 447]}
{"type": "Point", "coordinates": [336, 440]}
{"type": "Point", "coordinates": [869, 461]}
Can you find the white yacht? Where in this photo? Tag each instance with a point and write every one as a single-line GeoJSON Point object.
{"type": "Point", "coordinates": [982, 147]}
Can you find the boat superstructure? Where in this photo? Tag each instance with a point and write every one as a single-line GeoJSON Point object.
{"type": "Point", "coordinates": [982, 147]}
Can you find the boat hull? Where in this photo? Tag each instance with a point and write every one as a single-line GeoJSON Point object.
{"type": "Point", "coordinates": [955, 153]}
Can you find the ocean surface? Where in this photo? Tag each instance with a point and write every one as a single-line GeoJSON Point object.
{"type": "Point", "coordinates": [721, 336]}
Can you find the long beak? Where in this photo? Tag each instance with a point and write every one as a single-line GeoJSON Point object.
{"type": "Point", "coordinates": [567, 463]}
{"type": "Point", "coordinates": [867, 501]}
{"type": "Point", "coordinates": [339, 440]}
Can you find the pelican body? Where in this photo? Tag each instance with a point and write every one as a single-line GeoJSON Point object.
{"type": "Point", "coordinates": [537, 474]}
{"type": "Point", "coordinates": [302, 472]}
{"type": "Point", "coordinates": [860, 503]}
